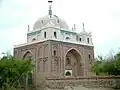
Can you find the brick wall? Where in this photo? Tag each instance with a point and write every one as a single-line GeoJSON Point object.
{"type": "Point", "coordinates": [101, 81]}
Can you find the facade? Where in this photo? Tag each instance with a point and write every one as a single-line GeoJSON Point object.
{"type": "Point", "coordinates": [57, 50]}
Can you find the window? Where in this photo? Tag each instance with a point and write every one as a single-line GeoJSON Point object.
{"type": "Point", "coordinates": [44, 34]}
{"type": "Point", "coordinates": [57, 20]}
{"type": "Point", "coordinates": [77, 38]}
{"type": "Point", "coordinates": [55, 35]}
{"type": "Point", "coordinates": [54, 53]}
{"type": "Point", "coordinates": [68, 73]}
{"type": "Point", "coordinates": [89, 56]}
{"type": "Point", "coordinates": [80, 39]}
{"type": "Point", "coordinates": [68, 61]}
{"type": "Point", "coordinates": [33, 39]}
{"type": "Point", "coordinates": [88, 40]}
{"type": "Point", "coordinates": [42, 21]}
{"type": "Point", "coordinates": [67, 38]}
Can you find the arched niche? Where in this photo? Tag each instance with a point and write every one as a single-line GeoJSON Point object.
{"type": "Point", "coordinates": [68, 73]}
{"type": "Point", "coordinates": [73, 61]}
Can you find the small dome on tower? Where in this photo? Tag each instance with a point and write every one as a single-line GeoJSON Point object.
{"type": "Point", "coordinates": [40, 23]}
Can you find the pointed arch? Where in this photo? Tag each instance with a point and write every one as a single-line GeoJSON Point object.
{"type": "Point", "coordinates": [27, 55]}
{"type": "Point", "coordinates": [75, 50]}
{"type": "Point", "coordinates": [76, 62]}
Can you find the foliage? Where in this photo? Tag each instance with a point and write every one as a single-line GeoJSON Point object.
{"type": "Point", "coordinates": [98, 66]}
{"type": "Point", "coordinates": [107, 66]}
{"type": "Point", "coordinates": [12, 70]}
{"type": "Point", "coordinates": [30, 79]}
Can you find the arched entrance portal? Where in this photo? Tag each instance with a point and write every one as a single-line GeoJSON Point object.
{"type": "Point", "coordinates": [73, 62]}
{"type": "Point", "coordinates": [29, 76]}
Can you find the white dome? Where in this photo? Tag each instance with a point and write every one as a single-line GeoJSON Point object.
{"type": "Point", "coordinates": [55, 20]}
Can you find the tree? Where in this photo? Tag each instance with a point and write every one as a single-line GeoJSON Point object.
{"type": "Point", "coordinates": [11, 72]}
{"type": "Point", "coordinates": [107, 66]}
{"type": "Point", "coordinates": [98, 65]}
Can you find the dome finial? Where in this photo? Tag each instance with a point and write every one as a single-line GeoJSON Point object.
{"type": "Point", "coordinates": [74, 27]}
{"type": "Point", "coordinates": [50, 10]}
{"type": "Point", "coordinates": [28, 28]}
{"type": "Point", "coordinates": [83, 27]}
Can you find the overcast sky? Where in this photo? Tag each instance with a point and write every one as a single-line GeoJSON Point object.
{"type": "Point", "coordinates": [101, 17]}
